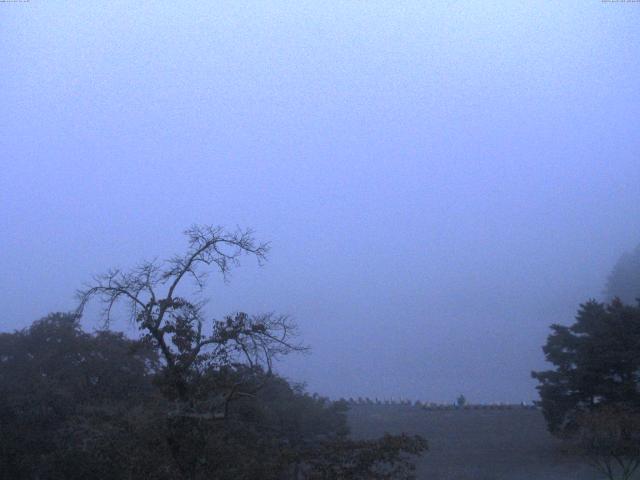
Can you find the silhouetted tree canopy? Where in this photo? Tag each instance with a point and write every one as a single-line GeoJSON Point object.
{"type": "Point", "coordinates": [190, 399]}
{"type": "Point", "coordinates": [75, 405]}
{"type": "Point", "coordinates": [597, 363]}
{"type": "Point", "coordinates": [592, 396]}
{"type": "Point", "coordinates": [65, 394]}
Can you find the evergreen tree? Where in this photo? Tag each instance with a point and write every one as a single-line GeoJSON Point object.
{"type": "Point", "coordinates": [597, 363]}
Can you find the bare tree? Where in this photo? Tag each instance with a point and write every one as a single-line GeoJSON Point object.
{"type": "Point", "coordinates": [206, 364]}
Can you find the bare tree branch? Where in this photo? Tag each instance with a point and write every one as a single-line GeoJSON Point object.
{"type": "Point", "coordinates": [175, 325]}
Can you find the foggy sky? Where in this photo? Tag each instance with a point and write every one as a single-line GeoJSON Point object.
{"type": "Point", "coordinates": [440, 181]}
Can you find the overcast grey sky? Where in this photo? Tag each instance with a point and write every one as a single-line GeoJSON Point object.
{"type": "Point", "coordinates": [440, 181]}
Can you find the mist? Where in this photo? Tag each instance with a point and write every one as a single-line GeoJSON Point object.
{"type": "Point", "coordinates": [439, 181]}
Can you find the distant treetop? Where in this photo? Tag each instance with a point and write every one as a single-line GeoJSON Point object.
{"type": "Point", "coordinates": [624, 280]}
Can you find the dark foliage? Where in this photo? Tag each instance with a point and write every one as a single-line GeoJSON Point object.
{"type": "Point", "coordinates": [192, 399]}
{"type": "Point", "coordinates": [592, 397]}
{"type": "Point", "coordinates": [597, 363]}
{"type": "Point", "coordinates": [609, 437]}
{"type": "Point", "coordinates": [64, 394]}
{"type": "Point", "coordinates": [75, 406]}
{"type": "Point", "coordinates": [389, 457]}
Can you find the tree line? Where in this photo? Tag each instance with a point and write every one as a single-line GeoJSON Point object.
{"type": "Point", "coordinates": [191, 398]}
{"type": "Point", "coordinates": [194, 398]}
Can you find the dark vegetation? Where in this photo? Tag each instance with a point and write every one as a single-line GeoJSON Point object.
{"type": "Point", "coordinates": [592, 396]}
{"type": "Point", "coordinates": [190, 399]}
